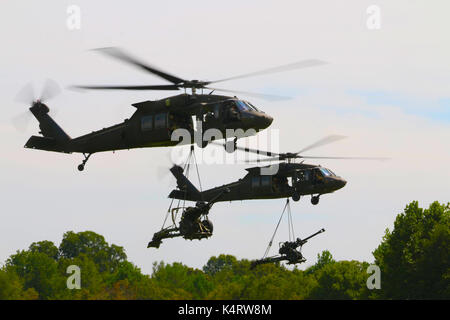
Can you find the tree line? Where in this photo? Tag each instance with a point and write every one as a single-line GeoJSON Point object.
{"type": "Point", "coordinates": [413, 259]}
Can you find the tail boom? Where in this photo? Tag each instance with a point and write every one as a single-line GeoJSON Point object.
{"type": "Point", "coordinates": [54, 138]}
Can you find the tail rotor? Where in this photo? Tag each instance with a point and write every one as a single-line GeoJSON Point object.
{"type": "Point", "coordinates": [27, 96]}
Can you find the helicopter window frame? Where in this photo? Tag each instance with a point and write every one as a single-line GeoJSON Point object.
{"type": "Point", "coordinates": [160, 120]}
{"type": "Point", "coordinates": [147, 123]}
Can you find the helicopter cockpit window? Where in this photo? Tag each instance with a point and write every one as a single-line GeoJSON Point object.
{"type": "Point", "coordinates": [252, 107]}
{"type": "Point", "coordinates": [242, 106]}
{"type": "Point", "coordinates": [325, 172]}
{"type": "Point", "coordinates": [332, 173]}
{"type": "Point", "coordinates": [147, 123]}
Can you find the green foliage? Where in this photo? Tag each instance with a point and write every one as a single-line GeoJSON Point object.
{"type": "Point", "coordinates": [182, 280]}
{"type": "Point", "coordinates": [37, 270]}
{"type": "Point", "coordinates": [322, 260]}
{"type": "Point", "coordinates": [46, 247]}
{"type": "Point", "coordinates": [414, 262]}
{"type": "Point", "coordinates": [341, 280]}
{"type": "Point", "coordinates": [268, 281]}
{"type": "Point", "coordinates": [414, 257]}
{"type": "Point", "coordinates": [220, 263]}
{"type": "Point", "coordinates": [11, 287]}
{"type": "Point", "coordinates": [95, 247]}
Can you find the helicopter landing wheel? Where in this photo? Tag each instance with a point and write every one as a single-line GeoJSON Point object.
{"type": "Point", "coordinates": [296, 196]}
{"type": "Point", "coordinates": [315, 200]}
{"type": "Point", "coordinates": [86, 158]}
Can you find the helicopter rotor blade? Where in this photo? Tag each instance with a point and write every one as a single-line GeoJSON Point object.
{"type": "Point", "coordinates": [346, 158]}
{"type": "Point", "coordinates": [259, 152]}
{"type": "Point", "coordinates": [121, 55]}
{"type": "Point", "coordinates": [26, 94]}
{"type": "Point", "coordinates": [264, 96]}
{"type": "Point", "coordinates": [296, 65]}
{"type": "Point", "coordinates": [322, 142]}
{"type": "Point", "coordinates": [163, 174]}
{"type": "Point", "coordinates": [264, 160]}
{"type": "Point", "coordinates": [153, 87]}
{"type": "Point", "coordinates": [285, 156]}
{"type": "Point", "coordinates": [256, 151]}
{"type": "Point", "coordinates": [50, 90]}
{"type": "Point", "coordinates": [319, 157]}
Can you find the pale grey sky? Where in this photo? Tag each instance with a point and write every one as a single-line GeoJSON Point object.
{"type": "Point", "coordinates": [387, 89]}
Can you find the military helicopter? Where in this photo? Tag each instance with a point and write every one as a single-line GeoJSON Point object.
{"type": "Point", "coordinates": [288, 179]}
{"type": "Point", "coordinates": [153, 123]}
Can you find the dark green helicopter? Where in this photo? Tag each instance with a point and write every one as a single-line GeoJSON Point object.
{"type": "Point", "coordinates": [281, 180]}
{"type": "Point", "coordinates": [153, 123]}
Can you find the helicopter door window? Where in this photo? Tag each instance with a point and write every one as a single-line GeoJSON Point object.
{"type": "Point", "coordinates": [232, 111]}
{"type": "Point", "coordinates": [147, 123]}
{"type": "Point", "coordinates": [265, 181]}
{"type": "Point", "coordinates": [160, 121]}
{"type": "Point", "coordinates": [318, 176]}
{"type": "Point", "coordinates": [216, 111]}
{"type": "Point", "coordinates": [255, 182]}
{"type": "Point", "coordinates": [306, 175]}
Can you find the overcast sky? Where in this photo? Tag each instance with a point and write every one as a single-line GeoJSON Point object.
{"type": "Point", "coordinates": [387, 89]}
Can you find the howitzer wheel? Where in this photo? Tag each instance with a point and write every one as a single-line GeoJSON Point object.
{"type": "Point", "coordinates": [208, 225]}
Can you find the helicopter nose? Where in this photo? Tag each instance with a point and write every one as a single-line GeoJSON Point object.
{"type": "Point", "coordinates": [267, 120]}
{"type": "Point", "coordinates": [342, 183]}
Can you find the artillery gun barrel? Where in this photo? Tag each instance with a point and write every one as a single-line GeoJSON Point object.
{"type": "Point", "coordinates": [313, 235]}
{"type": "Point", "coordinates": [265, 260]}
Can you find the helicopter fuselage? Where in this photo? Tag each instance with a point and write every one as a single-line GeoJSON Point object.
{"type": "Point", "coordinates": [154, 122]}
{"type": "Point", "coordinates": [290, 180]}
